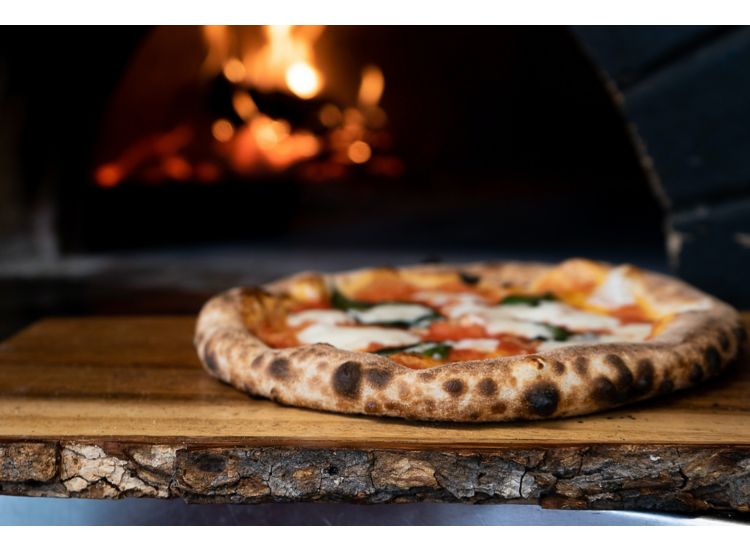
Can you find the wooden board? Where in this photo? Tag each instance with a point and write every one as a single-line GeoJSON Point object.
{"type": "Point", "coordinates": [109, 407]}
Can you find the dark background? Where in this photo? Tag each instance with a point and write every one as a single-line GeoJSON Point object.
{"type": "Point", "coordinates": [617, 143]}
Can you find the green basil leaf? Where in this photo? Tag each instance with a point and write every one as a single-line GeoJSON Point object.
{"type": "Point", "coordinates": [339, 301]}
{"type": "Point", "coordinates": [529, 300]}
{"type": "Point", "coordinates": [559, 334]}
{"type": "Point", "coordinates": [436, 350]}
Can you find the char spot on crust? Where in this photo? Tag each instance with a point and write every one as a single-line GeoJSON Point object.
{"type": "Point", "coordinates": [713, 360]}
{"type": "Point", "coordinates": [279, 368]}
{"type": "Point", "coordinates": [581, 365]}
{"type": "Point", "coordinates": [666, 386]}
{"type": "Point", "coordinates": [210, 359]}
{"type": "Point", "coordinates": [378, 378]}
{"type": "Point", "coordinates": [558, 368]}
{"type": "Point", "coordinates": [454, 386]}
{"type": "Point", "coordinates": [474, 415]}
{"type": "Point", "coordinates": [469, 278]}
{"type": "Point", "coordinates": [542, 398]}
{"type": "Point", "coordinates": [724, 340]}
{"type": "Point", "coordinates": [372, 407]}
{"type": "Point", "coordinates": [624, 378]}
{"type": "Point", "coordinates": [603, 390]}
{"type": "Point", "coordinates": [644, 377]}
{"type": "Point", "coordinates": [696, 373]}
{"type": "Point", "coordinates": [347, 379]}
{"type": "Point", "coordinates": [487, 386]}
{"type": "Point", "coordinates": [257, 362]}
{"type": "Point", "coordinates": [741, 334]}
{"type": "Point", "coordinates": [499, 407]}
{"type": "Point", "coordinates": [427, 375]}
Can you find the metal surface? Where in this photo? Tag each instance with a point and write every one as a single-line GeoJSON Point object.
{"type": "Point", "coordinates": [52, 511]}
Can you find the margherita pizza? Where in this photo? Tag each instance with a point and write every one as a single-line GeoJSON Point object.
{"type": "Point", "coordinates": [478, 342]}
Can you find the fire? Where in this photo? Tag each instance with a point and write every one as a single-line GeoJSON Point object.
{"type": "Point", "coordinates": [257, 68]}
{"type": "Point", "coordinates": [303, 80]}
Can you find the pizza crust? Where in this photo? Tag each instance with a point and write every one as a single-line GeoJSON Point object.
{"type": "Point", "coordinates": [703, 337]}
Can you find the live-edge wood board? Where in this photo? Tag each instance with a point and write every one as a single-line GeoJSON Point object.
{"type": "Point", "coordinates": [107, 407]}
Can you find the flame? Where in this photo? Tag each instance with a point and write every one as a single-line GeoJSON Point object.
{"type": "Point", "coordinates": [286, 61]}
{"type": "Point", "coordinates": [371, 87]}
{"type": "Point", "coordinates": [222, 130]}
{"type": "Point", "coordinates": [303, 80]}
{"type": "Point", "coordinates": [248, 141]}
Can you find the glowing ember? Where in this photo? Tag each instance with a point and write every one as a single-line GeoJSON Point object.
{"type": "Point", "coordinates": [247, 77]}
{"type": "Point", "coordinates": [359, 152]}
{"type": "Point", "coordinates": [234, 70]}
{"type": "Point", "coordinates": [303, 80]}
{"type": "Point", "coordinates": [222, 130]}
{"type": "Point", "coordinates": [371, 88]}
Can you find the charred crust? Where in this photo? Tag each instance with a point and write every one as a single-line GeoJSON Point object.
{"type": "Point", "coordinates": [581, 365]}
{"type": "Point", "coordinates": [427, 375]}
{"type": "Point", "coordinates": [257, 362]}
{"type": "Point", "coordinates": [210, 360]}
{"type": "Point", "coordinates": [741, 334]}
{"type": "Point", "coordinates": [498, 407]}
{"type": "Point", "coordinates": [603, 390]}
{"type": "Point", "coordinates": [378, 378]}
{"type": "Point", "coordinates": [347, 379]}
{"type": "Point", "coordinates": [724, 340]}
{"type": "Point", "coordinates": [372, 407]}
{"type": "Point", "coordinates": [696, 373]}
{"type": "Point", "coordinates": [474, 415]}
{"type": "Point", "coordinates": [644, 377]}
{"type": "Point", "coordinates": [558, 368]}
{"type": "Point", "coordinates": [542, 398]}
{"type": "Point", "coordinates": [713, 360]}
{"type": "Point", "coordinates": [487, 386]}
{"type": "Point", "coordinates": [666, 386]}
{"type": "Point", "coordinates": [279, 368]}
{"type": "Point", "coordinates": [624, 378]}
{"type": "Point", "coordinates": [454, 387]}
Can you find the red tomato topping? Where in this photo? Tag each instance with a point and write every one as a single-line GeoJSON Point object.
{"type": "Point", "coordinates": [630, 314]}
{"type": "Point", "coordinates": [446, 330]}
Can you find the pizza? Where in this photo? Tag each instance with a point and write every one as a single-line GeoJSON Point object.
{"type": "Point", "coordinates": [471, 343]}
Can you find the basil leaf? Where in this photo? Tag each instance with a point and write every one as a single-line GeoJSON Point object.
{"type": "Point", "coordinates": [339, 301]}
{"type": "Point", "coordinates": [436, 350]}
{"type": "Point", "coordinates": [559, 334]}
{"type": "Point", "coordinates": [529, 300]}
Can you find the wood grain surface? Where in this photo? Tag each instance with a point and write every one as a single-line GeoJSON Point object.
{"type": "Point", "coordinates": [81, 398]}
{"type": "Point", "coordinates": [138, 379]}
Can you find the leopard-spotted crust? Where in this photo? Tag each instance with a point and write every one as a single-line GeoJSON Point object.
{"type": "Point", "coordinates": [695, 346]}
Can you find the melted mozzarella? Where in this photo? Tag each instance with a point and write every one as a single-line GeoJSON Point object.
{"type": "Point", "coordinates": [391, 313]}
{"type": "Point", "coordinates": [439, 298]}
{"type": "Point", "coordinates": [634, 332]}
{"type": "Point", "coordinates": [505, 325]}
{"type": "Point", "coordinates": [317, 316]}
{"type": "Point", "coordinates": [355, 338]}
{"type": "Point", "coordinates": [480, 344]}
{"type": "Point", "coordinates": [557, 313]}
{"type": "Point", "coordinates": [617, 290]}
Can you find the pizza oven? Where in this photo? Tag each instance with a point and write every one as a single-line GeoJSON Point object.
{"type": "Point", "coordinates": [150, 150]}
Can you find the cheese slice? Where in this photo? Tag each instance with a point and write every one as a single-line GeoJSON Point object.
{"type": "Point", "coordinates": [633, 332]}
{"type": "Point", "coordinates": [318, 316]}
{"type": "Point", "coordinates": [479, 344]}
{"type": "Point", "coordinates": [617, 290]}
{"type": "Point", "coordinates": [355, 338]}
{"type": "Point", "coordinates": [557, 313]}
{"type": "Point", "coordinates": [391, 313]}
